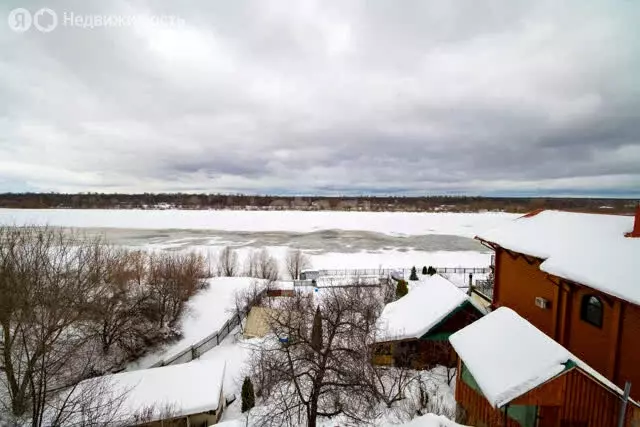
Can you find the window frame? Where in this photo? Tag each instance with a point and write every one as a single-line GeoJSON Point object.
{"type": "Point", "coordinates": [586, 315]}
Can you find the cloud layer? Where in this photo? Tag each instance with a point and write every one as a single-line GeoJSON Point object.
{"type": "Point", "coordinates": [266, 96]}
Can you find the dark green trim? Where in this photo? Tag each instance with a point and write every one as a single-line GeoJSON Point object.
{"type": "Point", "coordinates": [443, 336]}
{"type": "Point", "coordinates": [438, 336]}
{"type": "Point", "coordinates": [468, 379]}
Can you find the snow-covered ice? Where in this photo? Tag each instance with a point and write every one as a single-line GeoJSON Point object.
{"type": "Point", "coordinates": [395, 223]}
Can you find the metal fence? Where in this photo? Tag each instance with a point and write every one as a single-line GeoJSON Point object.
{"type": "Point", "coordinates": [357, 272]}
{"type": "Point", "coordinates": [464, 270]}
{"type": "Point", "coordinates": [366, 278]}
{"type": "Point", "coordinates": [207, 343]}
{"type": "Point", "coordinates": [484, 287]}
{"type": "Point", "coordinates": [387, 271]}
{"type": "Point", "coordinates": [198, 349]}
{"type": "Point", "coordinates": [341, 282]}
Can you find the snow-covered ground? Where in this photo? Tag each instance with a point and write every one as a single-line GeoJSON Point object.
{"type": "Point", "coordinates": [209, 309]}
{"type": "Point", "coordinates": [206, 313]}
{"type": "Point", "coordinates": [394, 223]}
{"type": "Point", "coordinates": [332, 240]}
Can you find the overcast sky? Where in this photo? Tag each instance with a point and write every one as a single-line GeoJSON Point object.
{"type": "Point", "coordinates": [325, 97]}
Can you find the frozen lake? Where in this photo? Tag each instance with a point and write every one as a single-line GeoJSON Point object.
{"type": "Point", "coordinates": [317, 241]}
{"type": "Point", "coordinates": [331, 239]}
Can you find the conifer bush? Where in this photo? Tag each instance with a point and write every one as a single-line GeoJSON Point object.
{"type": "Point", "coordinates": [401, 289]}
{"type": "Point", "coordinates": [414, 273]}
{"type": "Point", "coordinates": [248, 396]}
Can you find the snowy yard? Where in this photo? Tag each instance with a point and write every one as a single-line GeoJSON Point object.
{"type": "Point", "coordinates": [206, 312]}
{"type": "Point", "coordinates": [209, 309]}
{"type": "Point", "coordinates": [332, 240]}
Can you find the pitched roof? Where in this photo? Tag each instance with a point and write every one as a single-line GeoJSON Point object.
{"type": "Point", "coordinates": [590, 249]}
{"type": "Point", "coordinates": [429, 302]}
{"type": "Point", "coordinates": [184, 389]}
{"type": "Point", "coordinates": [508, 356]}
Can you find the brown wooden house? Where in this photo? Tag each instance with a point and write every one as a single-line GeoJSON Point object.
{"type": "Point", "coordinates": [414, 330]}
{"type": "Point", "coordinates": [576, 277]}
{"type": "Point", "coordinates": [513, 375]}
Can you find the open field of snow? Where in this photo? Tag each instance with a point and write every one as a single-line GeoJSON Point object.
{"type": "Point", "coordinates": [393, 223]}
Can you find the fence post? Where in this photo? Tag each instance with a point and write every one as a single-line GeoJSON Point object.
{"type": "Point", "coordinates": [623, 405]}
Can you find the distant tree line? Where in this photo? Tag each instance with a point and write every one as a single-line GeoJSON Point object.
{"type": "Point", "coordinates": [341, 203]}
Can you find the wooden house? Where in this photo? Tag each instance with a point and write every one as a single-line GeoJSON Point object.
{"type": "Point", "coordinates": [576, 277]}
{"type": "Point", "coordinates": [414, 330]}
{"type": "Point", "coordinates": [513, 375]}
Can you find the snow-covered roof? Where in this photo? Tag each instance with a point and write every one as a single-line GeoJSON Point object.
{"type": "Point", "coordinates": [508, 356]}
{"type": "Point", "coordinates": [427, 304]}
{"type": "Point", "coordinates": [184, 389]}
{"type": "Point", "coordinates": [590, 249]}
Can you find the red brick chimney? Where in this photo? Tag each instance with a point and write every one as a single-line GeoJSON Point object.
{"type": "Point", "coordinates": [636, 224]}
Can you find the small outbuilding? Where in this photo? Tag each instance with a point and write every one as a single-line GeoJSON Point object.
{"type": "Point", "coordinates": [258, 321]}
{"type": "Point", "coordinates": [414, 330]}
{"type": "Point", "coordinates": [189, 394]}
{"type": "Point", "coordinates": [513, 375]}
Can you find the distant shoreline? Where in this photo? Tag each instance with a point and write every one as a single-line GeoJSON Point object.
{"type": "Point", "coordinates": [239, 202]}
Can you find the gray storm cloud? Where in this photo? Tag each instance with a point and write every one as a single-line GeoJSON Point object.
{"type": "Point", "coordinates": [482, 97]}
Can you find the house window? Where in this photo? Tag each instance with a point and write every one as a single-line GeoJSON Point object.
{"type": "Point", "coordinates": [592, 310]}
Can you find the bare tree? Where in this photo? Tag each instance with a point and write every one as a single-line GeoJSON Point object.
{"type": "Point", "coordinates": [93, 402]}
{"type": "Point", "coordinates": [251, 264]}
{"type": "Point", "coordinates": [246, 298]}
{"type": "Point", "coordinates": [173, 278]}
{"type": "Point", "coordinates": [267, 266]}
{"type": "Point", "coordinates": [389, 384]}
{"type": "Point", "coordinates": [302, 376]}
{"type": "Point", "coordinates": [120, 293]}
{"type": "Point", "coordinates": [227, 262]}
{"type": "Point", "coordinates": [48, 278]}
{"type": "Point", "coordinates": [296, 262]}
